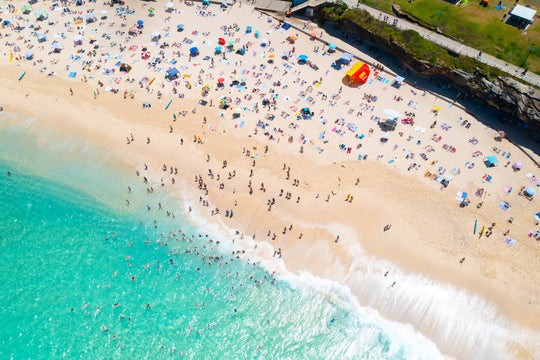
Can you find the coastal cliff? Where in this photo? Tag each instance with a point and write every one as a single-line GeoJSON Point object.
{"type": "Point", "coordinates": [514, 99]}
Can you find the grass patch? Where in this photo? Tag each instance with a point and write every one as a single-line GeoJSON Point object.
{"type": "Point", "coordinates": [476, 26]}
{"type": "Point", "coordinates": [411, 41]}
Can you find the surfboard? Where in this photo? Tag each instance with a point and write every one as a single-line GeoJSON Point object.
{"type": "Point", "coordinates": [10, 57]}
{"type": "Point", "coordinates": [151, 81]}
{"type": "Point", "coordinates": [482, 231]}
{"type": "Point", "coordinates": [475, 226]}
{"type": "Point", "coordinates": [20, 77]}
{"type": "Point", "coordinates": [166, 107]}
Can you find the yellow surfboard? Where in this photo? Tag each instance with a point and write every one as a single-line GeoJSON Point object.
{"type": "Point", "coordinates": [10, 57]}
{"type": "Point", "coordinates": [151, 81]}
{"type": "Point", "coordinates": [482, 231]}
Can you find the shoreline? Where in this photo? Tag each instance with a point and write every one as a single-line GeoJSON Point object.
{"type": "Point", "coordinates": [324, 258]}
{"type": "Point", "coordinates": [429, 233]}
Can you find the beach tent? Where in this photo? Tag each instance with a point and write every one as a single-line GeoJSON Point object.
{"type": "Point", "coordinates": [391, 119]}
{"type": "Point", "coordinates": [6, 23]}
{"type": "Point", "coordinates": [491, 161]}
{"type": "Point", "coordinates": [41, 15]}
{"type": "Point", "coordinates": [346, 58]}
{"type": "Point", "coordinates": [155, 36]}
{"type": "Point", "coordinates": [26, 9]}
{"type": "Point", "coordinates": [169, 7]}
{"type": "Point", "coordinates": [398, 81]}
{"type": "Point", "coordinates": [77, 40]}
{"type": "Point", "coordinates": [240, 51]}
{"type": "Point", "coordinates": [358, 73]}
{"type": "Point", "coordinates": [90, 18]}
{"type": "Point", "coordinates": [28, 55]}
{"type": "Point", "coordinates": [125, 68]}
{"type": "Point", "coordinates": [529, 192]}
{"type": "Point", "coordinates": [41, 37]}
{"type": "Point", "coordinates": [286, 26]}
{"type": "Point", "coordinates": [172, 74]}
{"type": "Point", "coordinates": [57, 46]}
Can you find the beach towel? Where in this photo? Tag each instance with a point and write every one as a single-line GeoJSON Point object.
{"type": "Point", "coordinates": [72, 74]}
{"type": "Point", "coordinates": [504, 205]}
{"type": "Point", "coordinates": [511, 242]}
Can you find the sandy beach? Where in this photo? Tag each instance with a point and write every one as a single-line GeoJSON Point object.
{"type": "Point", "coordinates": [319, 189]}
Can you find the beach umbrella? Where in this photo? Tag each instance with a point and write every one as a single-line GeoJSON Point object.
{"type": "Point", "coordinates": [221, 41]}
{"type": "Point", "coordinates": [180, 27]}
{"type": "Point", "coordinates": [530, 191]}
{"type": "Point", "coordinates": [145, 55]}
{"type": "Point", "coordinates": [169, 5]}
{"type": "Point", "coordinates": [248, 29]}
{"type": "Point", "coordinates": [517, 165]}
{"type": "Point", "coordinates": [193, 51]}
{"type": "Point", "coordinates": [303, 57]}
{"type": "Point", "coordinates": [206, 2]}
{"type": "Point", "coordinates": [257, 34]}
{"type": "Point", "coordinates": [151, 10]}
{"type": "Point", "coordinates": [437, 108]}
{"type": "Point", "coordinates": [264, 41]}
{"type": "Point", "coordinates": [313, 34]}
{"type": "Point", "coordinates": [221, 80]}
{"type": "Point", "coordinates": [140, 24]}
{"type": "Point", "coordinates": [28, 55]}
{"type": "Point", "coordinates": [332, 46]}
{"type": "Point", "coordinates": [218, 49]}
{"type": "Point", "coordinates": [6, 22]}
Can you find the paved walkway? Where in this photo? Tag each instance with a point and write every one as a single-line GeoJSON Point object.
{"type": "Point", "coordinates": [445, 42]}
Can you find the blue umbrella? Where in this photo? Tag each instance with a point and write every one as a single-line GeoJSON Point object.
{"type": "Point", "coordinates": [530, 190]}
{"type": "Point", "coordinates": [194, 50]}
{"type": "Point", "coordinates": [332, 46]}
{"type": "Point", "coordinates": [140, 22]}
{"type": "Point", "coordinates": [6, 22]}
{"type": "Point", "coordinates": [206, 2]}
{"type": "Point", "coordinates": [303, 57]}
{"type": "Point", "coordinates": [256, 34]}
{"type": "Point", "coordinates": [249, 28]}
{"type": "Point", "coordinates": [180, 26]}
{"type": "Point", "coordinates": [218, 48]}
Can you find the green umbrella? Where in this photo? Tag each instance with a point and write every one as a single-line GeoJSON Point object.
{"type": "Point", "coordinates": [26, 9]}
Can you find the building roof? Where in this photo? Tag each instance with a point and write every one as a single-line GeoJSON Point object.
{"type": "Point", "coordinates": [523, 12]}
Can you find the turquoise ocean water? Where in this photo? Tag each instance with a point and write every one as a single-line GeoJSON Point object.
{"type": "Point", "coordinates": [85, 276]}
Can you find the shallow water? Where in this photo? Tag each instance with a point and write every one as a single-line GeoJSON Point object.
{"type": "Point", "coordinates": [85, 276]}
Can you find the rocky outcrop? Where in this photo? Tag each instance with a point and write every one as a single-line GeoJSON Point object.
{"type": "Point", "coordinates": [514, 99]}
